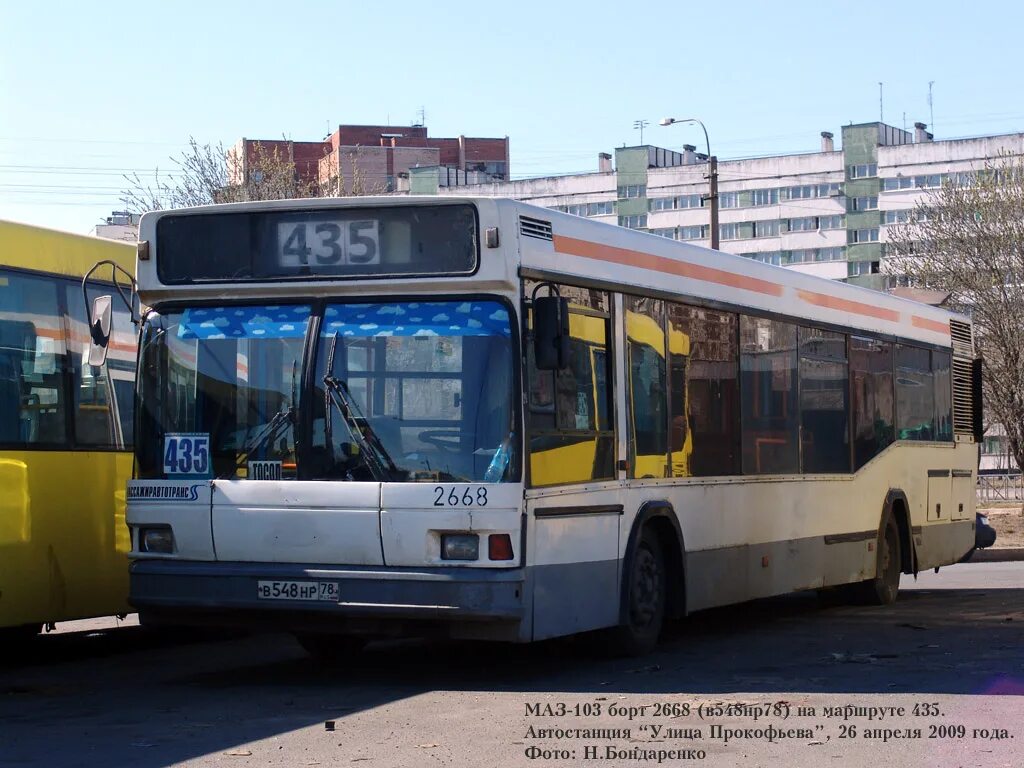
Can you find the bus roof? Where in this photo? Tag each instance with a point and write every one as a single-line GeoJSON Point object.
{"type": "Point", "coordinates": [623, 258]}
{"type": "Point", "coordinates": [48, 250]}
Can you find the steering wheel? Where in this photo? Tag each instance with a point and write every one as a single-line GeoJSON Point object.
{"type": "Point", "coordinates": [444, 439]}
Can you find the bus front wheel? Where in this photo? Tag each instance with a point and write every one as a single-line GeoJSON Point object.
{"type": "Point", "coordinates": [646, 586]}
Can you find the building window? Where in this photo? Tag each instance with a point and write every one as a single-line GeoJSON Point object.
{"type": "Point", "coordinates": [632, 190]}
{"type": "Point", "coordinates": [636, 221]}
{"type": "Point", "coordinates": [768, 257]}
{"type": "Point", "coordinates": [695, 232]}
{"type": "Point", "coordinates": [837, 221]}
{"type": "Point", "coordinates": [859, 268]}
{"type": "Point", "coordinates": [769, 228]}
{"type": "Point", "coordinates": [729, 231]}
{"type": "Point", "coordinates": [669, 232]}
{"type": "Point", "coordinates": [690, 201]}
{"type": "Point", "coordinates": [728, 200]}
{"type": "Point", "coordinates": [897, 217]}
{"type": "Point", "coordinates": [862, 171]}
{"type": "Point", "coordinates": [862, 204]}
{"type": "Point", "coordinates": [804, 224]}
{"type": "Point", "coordinates": [862, 235]}
{"type": "Point", "coordinates": [764, 197]}
{"type": "Point", "coordinates": [662, 203]}
{"type": "Point", "coordinates": [605, 208]}
{"type": "Point", "coordinates": [807, 191]}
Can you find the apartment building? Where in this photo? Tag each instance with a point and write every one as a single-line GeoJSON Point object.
{"type": "Point", "coordinates": [825, 212]}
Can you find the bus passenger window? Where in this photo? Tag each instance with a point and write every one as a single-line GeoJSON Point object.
{"type": "Point", "coordinates": [824, 410]}
{"type": "Point", "coordinates": [571, 436]}
{"type": "Point", "coordinates": [32, 362]}
{"type": "Point", "coordinates": [873, 398]}
{"type": "Point", "coordinates": [647, 399]}
{"type": "Point", "coordinates": [915, 394]}
{"type": "Point", "coordinates": [770, 417]}
{"type": "Point", "coordinates": [941, 364]}
{"type": "Point", "coordinates": [704, 378]}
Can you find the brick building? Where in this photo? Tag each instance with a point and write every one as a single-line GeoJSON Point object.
{"type": "Point", "coordinates": [369, 159]}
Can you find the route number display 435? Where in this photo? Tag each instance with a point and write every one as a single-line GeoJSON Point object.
{"type": "Point", "coordinates": [312, 244]}
{"type": "Point", "coordinates": [187, 454]}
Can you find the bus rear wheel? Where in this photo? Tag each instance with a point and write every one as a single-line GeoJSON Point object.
{"type": "Point", "coordinates": [646, 587]}
{"type": "Point", "coordinates": [884, 588]}
{"type": "Point", "coordinates": [332, 650]}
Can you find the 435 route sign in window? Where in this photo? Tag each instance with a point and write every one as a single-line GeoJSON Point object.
{"type": "Point", "coordinates": [187, 454]}
{"type": "Point", "coordinates": [320, 245]}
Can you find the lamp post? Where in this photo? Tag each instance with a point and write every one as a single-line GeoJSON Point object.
{"type": "Point", "coordinates": [712, 174]}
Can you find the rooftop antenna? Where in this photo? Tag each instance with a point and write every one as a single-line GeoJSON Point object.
{"type": "Point", "coordinates": [641, 124]}
{"type": "Point", "coordinates": [881, 111]}
{"type": "Point", "coordinates": [931, 111]}
{"type": "Point", "coordinates": [422, 115]}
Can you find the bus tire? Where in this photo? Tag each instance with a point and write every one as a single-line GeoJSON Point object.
{"type": "Point", "coordinates": [884, 588]}
{"type": "Point", "coordinates": [646, 600]}
{"type": "Point", "coordinates": [19, 636]}
{"type": "Point", "coordinates": [331, 650]}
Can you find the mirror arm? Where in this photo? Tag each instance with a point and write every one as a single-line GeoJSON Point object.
{"type": "Point", "coordinates": [129, 298]}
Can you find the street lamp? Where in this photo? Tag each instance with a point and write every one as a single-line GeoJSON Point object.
{"type": "Point", "coordinates": [712, 174]}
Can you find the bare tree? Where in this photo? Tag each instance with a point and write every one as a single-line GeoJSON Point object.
{"type": "Point", "coordinates": [967, 238]}
{"type": "Point", "coordinates": [206, 174]}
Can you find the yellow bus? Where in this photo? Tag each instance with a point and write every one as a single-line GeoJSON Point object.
{"type": "Point", "coordinates": [65, 434]}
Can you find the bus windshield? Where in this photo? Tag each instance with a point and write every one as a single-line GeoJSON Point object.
{"type": "Point", "coordinates": [400, 391]}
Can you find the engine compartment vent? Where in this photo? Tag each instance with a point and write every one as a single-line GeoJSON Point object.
{"type": "Point", "coordinates": [538, 228]}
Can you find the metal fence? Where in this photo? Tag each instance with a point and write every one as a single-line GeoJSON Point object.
{"type": "Point", "coordinates": [997, 488]}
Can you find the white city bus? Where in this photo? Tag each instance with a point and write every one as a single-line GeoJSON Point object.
{"type": "Point", "coordinates": [475, 417]}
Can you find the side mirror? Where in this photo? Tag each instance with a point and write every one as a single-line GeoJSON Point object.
{"type": "Point", "coordinates": [550, 333]}
{"type": "Point", "coordinates": [99, 330]}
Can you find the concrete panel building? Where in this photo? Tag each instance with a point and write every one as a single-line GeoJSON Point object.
{"type": "Point", "coordinates": [824, 212]}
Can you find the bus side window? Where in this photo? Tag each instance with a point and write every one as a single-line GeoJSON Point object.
{"type": "Point", "coordinates": [571, 437]}
{"type": "Point", "coordinates": [32, 362]}
{"type": "Point", "coordinates": [93, 419]}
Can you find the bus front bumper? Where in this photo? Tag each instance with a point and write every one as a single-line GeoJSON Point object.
{"type": "Point", "coordinates": [368, 599]}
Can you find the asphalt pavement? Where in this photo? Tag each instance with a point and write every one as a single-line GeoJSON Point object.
{"type": "Point", "coordinates": [937, 679]}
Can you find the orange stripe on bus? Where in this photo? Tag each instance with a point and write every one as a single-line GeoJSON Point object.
{"type": "Point", "coordinates": [930, 325]}
{"type": "Point", "coordinates": [845, 305]}
{"type": "Point", "coordinates": [589, 250]}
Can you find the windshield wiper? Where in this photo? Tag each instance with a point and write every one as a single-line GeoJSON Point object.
{"type": "Point", "coordinates": [268, 433]}
{"type": "Point", "coordinates": [374, 455]}
{"type": "Point", "coordinates": [271, 430]}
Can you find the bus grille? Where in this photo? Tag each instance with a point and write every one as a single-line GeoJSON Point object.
{"type": "Point", "coordinates": [962, 344]}
{"type": "Point", "coordinates": [535, 228]}
{"type": "Point", "coordinates": [963, 397]}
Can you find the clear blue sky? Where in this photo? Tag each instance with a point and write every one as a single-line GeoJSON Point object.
{"type": "Point", "coordinates": [89, 91]}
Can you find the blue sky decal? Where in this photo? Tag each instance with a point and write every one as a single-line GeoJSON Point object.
{"type": "Point", "coordinates": [268, 322]}
{"type": "Point", "coordinates": [450, 318]}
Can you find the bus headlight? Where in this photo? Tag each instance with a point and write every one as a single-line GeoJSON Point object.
{"type": "Point", "coordinates": [158, 539]}
{"type": "Point", "coordinates": [460, 546]}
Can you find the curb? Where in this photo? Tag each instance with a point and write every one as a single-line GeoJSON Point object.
{"type": "Point", "coordinates": [998, 555]}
